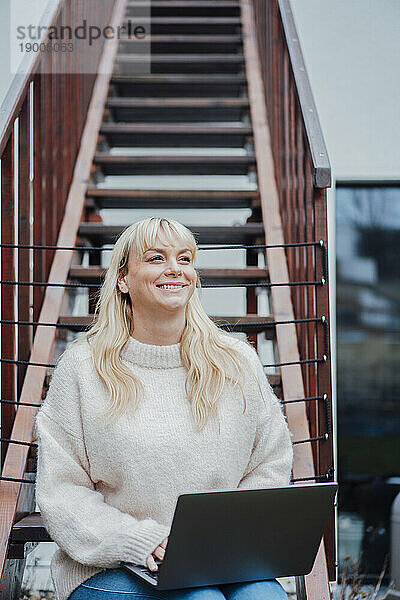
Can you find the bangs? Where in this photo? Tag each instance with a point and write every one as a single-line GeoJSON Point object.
{"type": "Point", "coordinates": [146, 232]}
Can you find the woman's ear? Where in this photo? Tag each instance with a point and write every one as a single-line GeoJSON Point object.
{"type": "Point", "coordinates": [122, 285]}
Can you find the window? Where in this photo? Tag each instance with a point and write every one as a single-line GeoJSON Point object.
{"type": "Point", "coordinates": [368, 358]}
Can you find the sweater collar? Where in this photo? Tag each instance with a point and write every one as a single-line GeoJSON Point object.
{"type": "Point", "coordinates": [151, 356]}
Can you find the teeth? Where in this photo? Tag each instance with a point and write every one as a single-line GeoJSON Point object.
{"type": "Point", "coordinates": [170, 287]}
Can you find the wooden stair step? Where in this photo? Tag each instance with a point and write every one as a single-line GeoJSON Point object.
{"type": "Point", "coordinates": [182, 58]}
{"type": "Point", "coordinates": [112, 164]}
{"type": "Point", "coordinates": [183, 3]}
{"type": "Point", "coordinates": [249, 324]}
{"type": "Point", "coordinates": [179, 63]}
{"type": "Point", "coordinates": [187, 25]}
{"type": "Point", "coordinates": [123, 102]}
{"type": "Point", "coordinates": [173, 134]}
{"type": "Point", "coordinates": [179, 85]}
{"type": "Point", "coordinates": [175, 127]}
{"type": "Point", "coordinates": [187, 20]}
{"type": "Point", "coordinates": [184, 8]}
{"type": "Point", "coordinates": [182, 43]}
{"type": "Point", "coordinates": [237, 234]}
{"type": "Point", "coordinates": [175, 78]}
{"type": "Point", "coordinates": [29, 529]}
{"type": "Point", "coordinates": [95, 274]}
{"type": "Point", "coordinates": [120, 198]}
{"type": "Point", "coordinates": [246, 324]}
{"type": "Point", "coordinates": [146, 110]}
{"type": "Point", "coordinates": [207, 39]}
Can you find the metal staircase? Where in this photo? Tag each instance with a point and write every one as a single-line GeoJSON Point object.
{"type": "Point", "coordinates": [219, 131]}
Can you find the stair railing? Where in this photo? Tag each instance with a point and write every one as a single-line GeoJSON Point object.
{"type": "Point", "coordinates": [302, 173]}
{"type": "Point", "coordinates": [42, 122]}
{"type": "Point", "coordinates": [290, 150]}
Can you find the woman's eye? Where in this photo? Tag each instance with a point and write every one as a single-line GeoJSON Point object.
{"type": "Point", "coordinates": [156, 257]}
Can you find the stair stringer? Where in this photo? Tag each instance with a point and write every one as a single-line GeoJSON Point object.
{"type": "Point", "coordinates": [316, 584]}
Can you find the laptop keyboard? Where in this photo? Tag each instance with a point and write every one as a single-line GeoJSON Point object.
{"type": "Point", "coordinates": [152, 574]}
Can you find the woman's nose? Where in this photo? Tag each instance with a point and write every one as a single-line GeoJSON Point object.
{"type": "Point", "coordinates": [174, 268]}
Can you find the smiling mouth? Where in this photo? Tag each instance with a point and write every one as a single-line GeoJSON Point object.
{"type": "Point", "coordinates": [172, 286]}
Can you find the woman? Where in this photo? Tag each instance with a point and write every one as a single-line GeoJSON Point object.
{"type": "Point", "coordinates": [153, 401]}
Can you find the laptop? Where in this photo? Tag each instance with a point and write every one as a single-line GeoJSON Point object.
{"type": "Point", "coordinates": [242, 535]}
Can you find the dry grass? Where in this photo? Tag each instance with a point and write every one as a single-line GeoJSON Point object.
{"type": "Point", "coordinates": [352, 582]}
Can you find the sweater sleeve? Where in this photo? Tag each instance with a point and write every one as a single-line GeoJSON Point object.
{"type": "Point", "coordinates": [75, 514]}
{"type": "Point", "coordinates": [271, 460]}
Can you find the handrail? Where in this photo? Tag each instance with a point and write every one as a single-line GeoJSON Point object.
{"type": "Point", "coordinates": [300, 167]}
{"type": "Point", "coordinates": [321, 168]}
{"type": "Point", "coordinates": [57, 199]}
{"type": "Point", "coordinates": [13, 101]}
{"type": "Point", "coordinates": [278, 41]}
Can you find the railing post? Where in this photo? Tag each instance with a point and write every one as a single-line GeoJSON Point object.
{"type": "Point", "coordinates": [48, 164]}
{"type": "Point", "coordinates": [24, 332]}
{"type": "Point", "coordinates": [311, 274]}
{"type": "Point", "coordinates": [7, 291]}
{"type": "Point", "coordinates": [324, 384]}
{"type": "Point", "coordinates": [38, 185]}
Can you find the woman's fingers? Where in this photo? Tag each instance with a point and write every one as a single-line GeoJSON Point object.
{"type": "Point", "coordinates": [164, 543]}
{"type": "Point", "coordinates": [151, 563]}
{"type": "Point", "coordinates": [159, 552]}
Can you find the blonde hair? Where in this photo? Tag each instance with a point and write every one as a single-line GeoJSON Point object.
{"type": "Point", "coordinates": [206, 351]}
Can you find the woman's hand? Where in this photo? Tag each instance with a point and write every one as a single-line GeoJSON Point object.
{"type": "Point", "coordinates": [159, 553]}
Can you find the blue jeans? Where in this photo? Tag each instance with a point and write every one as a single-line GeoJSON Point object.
{"type": "Point", "coordinates": [118, 584]}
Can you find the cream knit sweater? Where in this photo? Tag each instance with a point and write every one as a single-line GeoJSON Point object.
{"type": "Point", "coordinates": [108, 493]}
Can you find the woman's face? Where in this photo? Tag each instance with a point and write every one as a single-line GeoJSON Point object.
{"type": "Point", "coordinates": [162, 280]}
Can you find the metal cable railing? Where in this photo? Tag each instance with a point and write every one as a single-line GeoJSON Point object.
{"type": "Point", "coordinates": [230, 326]}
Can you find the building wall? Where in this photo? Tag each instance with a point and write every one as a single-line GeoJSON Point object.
{"type": "Point", "coordinates": [352, 53]}
{"type": "Point", "coordinates": [35, 9]}
{"type": "Point", "coordinates": [351, 49]}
